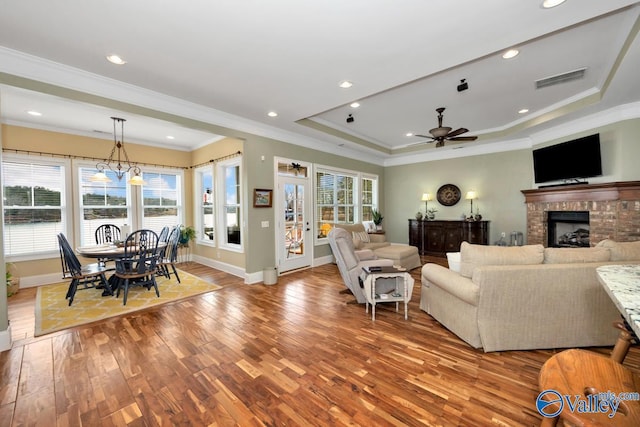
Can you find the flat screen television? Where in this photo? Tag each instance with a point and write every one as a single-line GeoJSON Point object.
{"type": "Point", "coordinates": [571, 160]}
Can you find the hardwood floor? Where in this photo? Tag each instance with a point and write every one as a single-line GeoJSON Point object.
{"type": "Point", "coordinates": [294, 353]}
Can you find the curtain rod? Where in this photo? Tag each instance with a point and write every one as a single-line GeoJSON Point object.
{"type": "Point", "coordinates": [96, 159]}
{"type": "Point", "coordinates": [228, 156]}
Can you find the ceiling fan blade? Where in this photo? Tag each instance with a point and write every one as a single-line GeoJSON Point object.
{"type": "Point", "coordinates": [430, 138]}
{"type": "Point", "coordinates": [456, 132]}
{"type": "Point", "coordinates": [463, 138]}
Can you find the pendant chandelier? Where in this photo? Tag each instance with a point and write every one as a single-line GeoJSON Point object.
{"type": "Point", "coordinates": [116, 165]}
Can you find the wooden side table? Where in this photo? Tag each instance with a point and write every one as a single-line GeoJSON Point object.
{"type": "Point", "coordinates": [401, 293]}
{"type": "Point", "coordinates": [587, 379]}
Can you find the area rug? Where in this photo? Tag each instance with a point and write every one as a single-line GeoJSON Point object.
{"type": "Point", "coordinates": [52, 312]}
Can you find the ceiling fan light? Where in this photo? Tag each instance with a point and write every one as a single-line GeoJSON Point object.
{"type": "Point", "coordinates": [440, 132]}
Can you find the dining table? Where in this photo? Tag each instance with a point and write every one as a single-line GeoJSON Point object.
{"type": "Point", "coordinates": [109, 251]}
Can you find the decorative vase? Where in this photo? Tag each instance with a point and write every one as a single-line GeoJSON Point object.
{"type": "Point", "coordinates": [419, 215]}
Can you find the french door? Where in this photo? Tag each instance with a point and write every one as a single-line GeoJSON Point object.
{"type": "Point", "coordinates": [294, 239]}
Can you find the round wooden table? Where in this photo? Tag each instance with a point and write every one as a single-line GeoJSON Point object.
{"type": "Point", "coordinates": [581, 387]}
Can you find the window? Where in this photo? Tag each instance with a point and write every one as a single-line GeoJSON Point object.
{"type": "Point", "coordinates": [344, 197]}
{"type": "Point", "coordinates": [205, 200]}
{"type": "Point", "coordinates": [161, 200]}
{"type": "Point", "coordinates": [369, 197]}
{"type": "Point", "coordinates": [35, 204]}
{"type": "Point", "coordinates": [102, 203]}
{"type": "Point", "coordinates": [230, 205]}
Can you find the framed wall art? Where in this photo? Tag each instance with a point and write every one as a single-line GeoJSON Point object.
{"type": "Point", "coordinates": [262, 198]}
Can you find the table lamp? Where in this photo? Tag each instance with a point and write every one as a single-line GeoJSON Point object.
{"type": "Point", "coordinates": [470, 196]}
{"type": "Point", "coordinates": [425, 198]}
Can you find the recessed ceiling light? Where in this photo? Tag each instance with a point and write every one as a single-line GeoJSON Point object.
{"type": "Point", "coordinates": [548, 4]}
{"type": "Point", "coordinates": [511, 53]}
{"type": "Point", "coordinates": [524, 110]}
{"type": "Point", "coordinates": [355, 105]}
{"type": "Point", "coordinates": [34, 113]}
{"type": "Point", "coordinates": [272, 114]}
{"type": "Point", "coordinates": [345, 84]}
{"type": "Point", "coordinates": [115, 59]}
{"type": "Point", "coordinates": [171, 137]}
{"type": "Point", "coordinates": [408, 134]}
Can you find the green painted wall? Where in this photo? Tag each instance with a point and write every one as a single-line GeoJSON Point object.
{"type": "Point", "coordinates": [498, 180]}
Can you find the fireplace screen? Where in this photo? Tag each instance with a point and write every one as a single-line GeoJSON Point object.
{"type": "Point", "coordinates": [568, 229]}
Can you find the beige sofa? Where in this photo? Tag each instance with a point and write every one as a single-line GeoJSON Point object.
{"type": "Point", "coordinates": [404, 255]}
{"type": "Point", "coordinates": [526, 297]}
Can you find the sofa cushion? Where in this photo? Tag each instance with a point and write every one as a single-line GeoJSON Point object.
{"type": "Point", "coordinates": [621, 251]}
{"type": "Point", "coordinates": [453, 260]}
{"type": "Point", "coordinates": [362, 236]}
{"type": "Point", "coordinates": [573, 255]}
{"type": "Point", "coordinates": [472, 256]}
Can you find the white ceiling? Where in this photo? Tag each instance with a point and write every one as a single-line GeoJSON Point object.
{"type": "Point", "coordinates": [203, 68]}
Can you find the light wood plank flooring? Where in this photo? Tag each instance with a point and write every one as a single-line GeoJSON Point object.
{"type": "Point", "coordinates": [290, 354]}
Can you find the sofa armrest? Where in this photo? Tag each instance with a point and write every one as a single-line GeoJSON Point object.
{"type": "Point", "coordinates": [365, 254]}
{"type": "Point", "coordinates": [451, 282]}
{"type": "Point", "coordinates": [377, 238]}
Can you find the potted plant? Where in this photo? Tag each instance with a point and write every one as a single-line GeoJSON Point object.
{"type": "Point", "coordinates": [13, 282]}
{"type": "Point", "coordinates": [187, 233]}
{"type": "Point", "coordinates": [377, 218]}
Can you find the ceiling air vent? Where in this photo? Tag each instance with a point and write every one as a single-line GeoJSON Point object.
{"type": "Point", "coordinates": [560, 78]}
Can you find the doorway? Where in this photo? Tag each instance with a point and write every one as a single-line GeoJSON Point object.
{"type": "Point", "coordinates": [294, 212]}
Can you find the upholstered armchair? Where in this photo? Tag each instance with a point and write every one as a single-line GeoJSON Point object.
{"type": "Point", "coordinates": [350, 261]}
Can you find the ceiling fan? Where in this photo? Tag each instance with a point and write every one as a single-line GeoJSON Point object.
{"type": "Point", "coordinates": [444, 133]}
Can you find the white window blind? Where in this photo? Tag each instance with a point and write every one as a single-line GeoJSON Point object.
{"type": "Point", "coordinates": [102, 203]}
{"type": "Point", "coordinates": [161, 200]}
{"type": "Point", "coordinates": [34, 204]}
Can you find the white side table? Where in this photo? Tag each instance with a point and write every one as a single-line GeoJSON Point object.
{"type": "Point", "coordinates": [401, 292]}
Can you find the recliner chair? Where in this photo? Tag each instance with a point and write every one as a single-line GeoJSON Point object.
{"type": "Point", "coordinates": [351, 261]}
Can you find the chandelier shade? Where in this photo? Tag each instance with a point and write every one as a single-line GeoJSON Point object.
{"type": "Point", "coordinates": [118, 161]}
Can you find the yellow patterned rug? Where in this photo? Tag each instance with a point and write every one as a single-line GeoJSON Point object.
{"type": "Point", "coordinates": [54, 314]}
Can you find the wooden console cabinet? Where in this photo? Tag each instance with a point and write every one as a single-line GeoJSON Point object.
{"type": "Point", "coordinates": [436, 238]}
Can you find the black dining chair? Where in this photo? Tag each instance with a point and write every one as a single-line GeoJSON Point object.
{"type": "Point", "coordinates": [81, 275]}
{"type": "Point", "coordinates": [139, 263]}
{"type": "Point", "coordinates": [107, 233]}
{"type": "Point", "coordinates": [164, 234]}
{"type": "Point", "coordinates": [169, 255]}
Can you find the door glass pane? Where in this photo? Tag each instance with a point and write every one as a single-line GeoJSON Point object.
{"type": "Point", "coordinates": [294, 219]}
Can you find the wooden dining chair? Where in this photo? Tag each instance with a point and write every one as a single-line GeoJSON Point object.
{"type": "Point", "coordinates": [169, 255]}
{"type": "Point", "coordinates": [81, 275]}
{"type": "Point", "coordinates": [107, 233]}
{"type": "Point", "coordinates": [164, 234]}
{"type": "Point", "coordinates": [139, 263]}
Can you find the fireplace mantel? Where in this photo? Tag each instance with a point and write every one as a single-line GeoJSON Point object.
{"type": "Point", "coordinates": [614, 209]}
{"type": "Point", "coordinates": [628, 190]}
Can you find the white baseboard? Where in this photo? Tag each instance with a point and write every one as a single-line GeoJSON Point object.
{"type": "Point", "coordinates": [5, 339]}
{"type": "Point", "coordinates": [227, 268]}
{"type": "Point", "coordinates": [43, 279]}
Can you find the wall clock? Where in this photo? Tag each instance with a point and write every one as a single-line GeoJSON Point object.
{"type": "Point", "coordinates": [448, 195]}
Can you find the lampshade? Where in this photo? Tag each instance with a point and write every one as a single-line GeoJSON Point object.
{"type": "Point", "coordinates": [471, 195]}
{"type": "Point", "coordinates": [100, 176]}
{"type": "Point", "coordinates": [427, 197]}
{"type": "Point", "coordinates": [136, 179]}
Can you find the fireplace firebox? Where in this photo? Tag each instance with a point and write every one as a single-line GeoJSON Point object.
{"type": "Point", "coordinates": [568, 229]}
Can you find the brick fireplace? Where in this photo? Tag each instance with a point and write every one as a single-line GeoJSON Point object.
{"type": "Point", "coordinates": [614, 210]}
